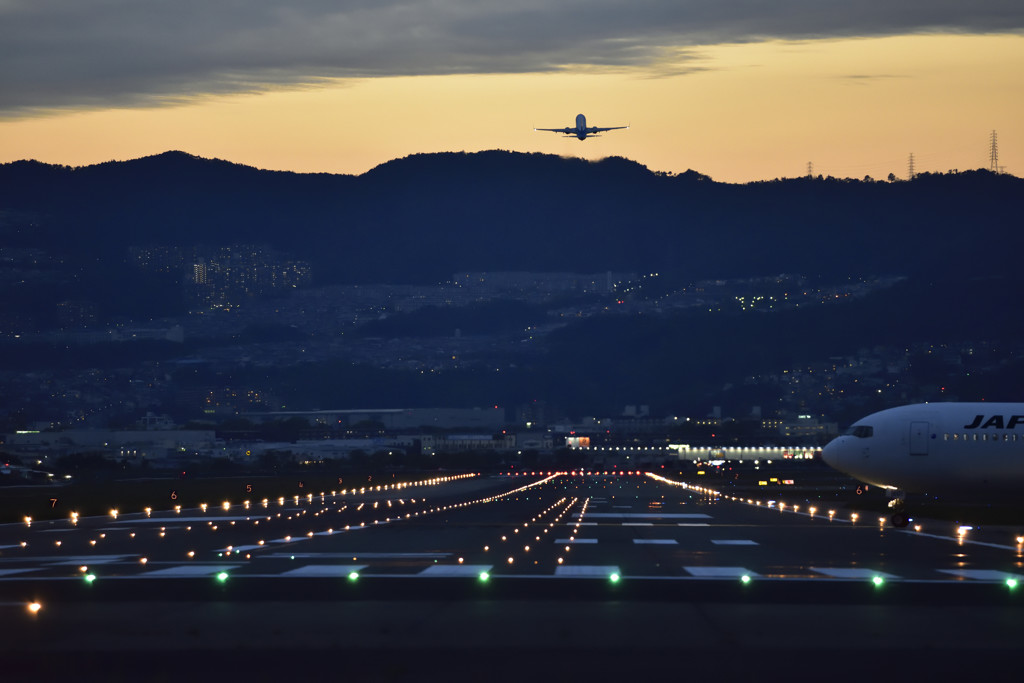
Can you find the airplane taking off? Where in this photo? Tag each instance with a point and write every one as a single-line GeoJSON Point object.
{"type": "Point", "coordinates": [956, 449]}
{"type": "Point", "coordinates": [581, 131]}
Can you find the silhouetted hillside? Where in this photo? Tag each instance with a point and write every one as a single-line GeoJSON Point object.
{"type": "Point", "coordinates": [65, 235]}
{"type": "Point", "coordinates": [421, 218]}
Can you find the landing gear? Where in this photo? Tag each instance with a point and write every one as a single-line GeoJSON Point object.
{"type": "Point", "coordinates": [899, 520]}
{"type": "Point", "coordinates": [897, 504]}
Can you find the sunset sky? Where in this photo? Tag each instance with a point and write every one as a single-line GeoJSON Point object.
{"type": "Point", "coordinates": [739, 90]}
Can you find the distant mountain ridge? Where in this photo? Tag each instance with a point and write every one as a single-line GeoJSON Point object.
{"type": "Point", "coordinates": [423, 217]}
{"type": "Point", "coordinates": [65, 235]}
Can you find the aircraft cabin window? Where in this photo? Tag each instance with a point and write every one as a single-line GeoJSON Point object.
{"type": "Point", "coordinates": [861, 431]}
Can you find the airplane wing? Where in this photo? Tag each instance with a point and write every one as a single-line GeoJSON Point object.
{"type": "Point", "coordinates": [596, 129]}
{"type": "Point", "coordinates": [564, 131]}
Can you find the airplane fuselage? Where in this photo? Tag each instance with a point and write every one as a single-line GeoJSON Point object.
{"type": "Point", "coordinates": [581, 127]}
{"type": "Point", "coordinates": [581, 131]}
{"type": "Point", "coordinates": [939, 448]}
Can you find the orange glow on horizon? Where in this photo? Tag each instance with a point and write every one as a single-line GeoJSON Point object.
{"type": "Point", "coordinates": [738, 113]}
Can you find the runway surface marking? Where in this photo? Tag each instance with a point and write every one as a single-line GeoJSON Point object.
{"type": "Point", "coordinates": [957, 539]}
{"type": "Point", "coordinates": [729, 541]}
{"type": "Point", "coordinates": [646, 515]}
{"type": "Point", "coordinates": [578, 540]}
{"type": "Point", "coordinates": [693, 524]}
{"type": "Point", "coordinates": [456, 570]}
{"type": "Point", "coordinates": [587, 570]}
{"type": "Point", "coordinates": [852, 573]}
{"type": "Point", "coordinates": [186, 520]}
{"type": "Point", "coordinates": [981, 574]}
{"type": "Point", "coordinates": [367, 555]}
{"type": "Point", "coordinates": [190, 570]}
{"type": "Point", "coordinates": [637, 524]}
{"type": "Point", "coordinates": [721, 572]}
{"type": "Point", "coordinates": [5, 572]}
{"type": "Point", "coordinates": [85, 559]}
{"type": "Point", "coordinates": [655, 541]}
{"type": "Point", "coordinates": [325, 570]}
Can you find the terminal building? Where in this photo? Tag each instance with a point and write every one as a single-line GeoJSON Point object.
{"type": "Point", "coordinates": [155, 444]}
{"type": "Point", "coordinates": [399, 419]}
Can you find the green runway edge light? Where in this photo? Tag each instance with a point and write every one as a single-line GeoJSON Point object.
{"type": "Point", "coordinates": [484, 576]}
{"type": "Point", "coordinates": [1011, 583]}
{"type": "Point", "coordinates": [222, 577]}
{"type": "Point", "coordinates": [352, 576]}
{"type": "Point", "coordinates": [878, 580]}
{"type": "Point", "coordinates": [89, 578]}
{"type": "Point", "coordinates": [745, 579]}
{"type": "Point", "coordinates": [614, 578]}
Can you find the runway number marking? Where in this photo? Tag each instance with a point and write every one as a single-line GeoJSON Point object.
{"type": "Point", "coordinates": [53, 502]}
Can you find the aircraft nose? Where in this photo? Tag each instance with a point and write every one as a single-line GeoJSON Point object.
{"type": "Point", "coordinates": [831, 453]}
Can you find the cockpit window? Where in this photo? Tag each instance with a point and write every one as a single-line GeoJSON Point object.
{"type": "Point", "coordinates": [861, 431]}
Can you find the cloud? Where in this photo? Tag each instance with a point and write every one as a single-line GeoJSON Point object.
{"type": "Point", "coordinates": [99, 53]}
{"type": "Point", "coordinates": [864, 78]}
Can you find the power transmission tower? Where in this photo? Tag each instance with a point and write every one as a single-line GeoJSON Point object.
{"type": "Point", "coordinates": [810, 169]}
{"type": "Point", "coordinates": [910, 167]}
{"type": "Point", "coordinates": [993, 154]}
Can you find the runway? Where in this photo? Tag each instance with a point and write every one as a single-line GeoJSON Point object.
{"type": "Point", "coordinates": [541, 527]}
{"type": "Point", "coordinates": [475, 564]}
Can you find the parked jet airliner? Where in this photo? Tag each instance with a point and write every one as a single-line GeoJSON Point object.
{"type": "Point", "coordinates": [951, 449]}
{"type": "Point", "coordinates": [581, 131]}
